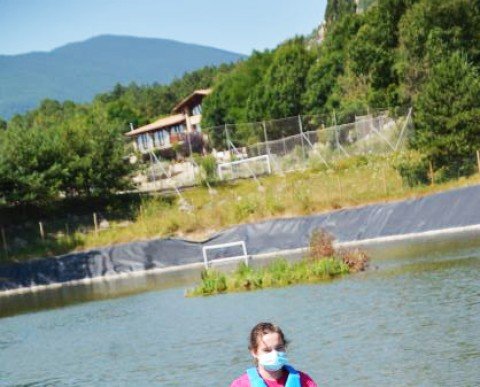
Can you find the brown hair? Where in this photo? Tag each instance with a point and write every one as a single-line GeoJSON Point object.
{"type": "Point", "coordinates": [261, 329]}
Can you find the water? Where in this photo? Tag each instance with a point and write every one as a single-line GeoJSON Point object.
{"type": "Point", "coordinates": [409, 321]}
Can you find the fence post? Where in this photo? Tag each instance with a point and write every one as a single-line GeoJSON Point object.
{"type": "Point", "coordinates": [42, 232]}
{"type": "Point", "coordinates": [300, 126]}
{"type": "Point", "coordinates": [4, 242]}
{"type": "Point", "coordinates": [267, 145]}
{"type": "Point", "coordinates": [95, 222]}
{"type": "Point", "coordinates": [284, 146]}
{"type": "Point", "coordinates": [478, 160]}
{"type": "Point", "coordinates": [227, 139]}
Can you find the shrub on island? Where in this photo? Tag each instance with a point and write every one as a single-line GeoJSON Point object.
{"type": "Point", "coordinates": [322, 263]}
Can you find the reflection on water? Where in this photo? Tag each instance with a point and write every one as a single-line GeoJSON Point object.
{"type": "Point", "coordinates": [94, 291]}
{"type": "Point", "coordinates": [413, 319]}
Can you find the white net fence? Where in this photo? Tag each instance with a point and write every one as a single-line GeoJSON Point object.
{"type": "Point", "coordinates": [292, 143]}
{"type": "Point", "coordinates": [313, 142]}
{"type": "Point", "coordinates": [245, 168]}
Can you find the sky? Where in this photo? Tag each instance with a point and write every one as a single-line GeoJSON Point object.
{"type": "Point", "coordinates": [238, 26]}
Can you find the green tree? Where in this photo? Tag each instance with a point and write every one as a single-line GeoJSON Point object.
{"type": "Point", "coordinates": [95, 157]}
{"type": "Point", "coordinates": [231, 95]}
{"type": "Point", "coordinates": [42, 157]}
{"type": "Point", "coordinates": [336, 9]}
{"type": "Point", "coordinates": [322, 79]}
{"type": "Point", "coordinates": [447, 115]}
{"type": "Point", "coordinates": [280, 92]}
{"type": "Point", "coordinates": [30, 164]}
{"type": "Point", "coordinates": [430, 29]}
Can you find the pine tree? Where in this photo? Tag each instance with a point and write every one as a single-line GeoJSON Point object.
{"type": "Point", "coordinates": [447, 116]}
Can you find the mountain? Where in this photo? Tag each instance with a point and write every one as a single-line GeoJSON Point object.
{"type": "Point", "coordinates": [78, 71]}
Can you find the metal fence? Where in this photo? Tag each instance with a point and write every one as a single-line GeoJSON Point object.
{"type": "Point", "coordinates": [297, 142]}
{"type": "Point", "coordinates": [291, 143]}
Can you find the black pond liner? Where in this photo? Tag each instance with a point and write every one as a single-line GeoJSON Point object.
{"type": "Point", "coordinates": [451, 210]}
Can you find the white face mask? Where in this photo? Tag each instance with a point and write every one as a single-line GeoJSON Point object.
{"type": "Point", "coordinates": [273, 361]}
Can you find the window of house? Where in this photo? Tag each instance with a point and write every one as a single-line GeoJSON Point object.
{"type": "Point", "coordinates": [161, 138]}
{"type": "Point", "coordinates": [144, 142]}
{"type": "Point", "coordinates": [178, 128]}
{"type": "Point", "coordinates": [158, 139]}
{"type": "Point", "coordinates": [197, 110]}
{"type": "Point", "coordinates": [166, 137]}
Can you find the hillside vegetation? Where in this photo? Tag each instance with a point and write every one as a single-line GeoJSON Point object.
{"type": "Point", "coordinates": [71, 150]}
{"type": "Point", "coordinates": [420, 53]}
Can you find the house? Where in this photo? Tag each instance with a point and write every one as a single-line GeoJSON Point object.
{"type": "Point", "coordinates": [163, 133]}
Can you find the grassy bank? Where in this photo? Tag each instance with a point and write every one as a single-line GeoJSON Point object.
{"type": "Point", "coordinates": [350, 182]}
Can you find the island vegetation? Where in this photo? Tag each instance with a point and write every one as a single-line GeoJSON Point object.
{"type": "Point", "coordinates": [322, 263]}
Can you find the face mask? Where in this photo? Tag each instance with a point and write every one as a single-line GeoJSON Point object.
{"type": "Point", "coordinates": [273, 361]}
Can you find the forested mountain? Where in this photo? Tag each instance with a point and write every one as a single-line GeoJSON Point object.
{"type": "Point", "coordinates": [80, 70]}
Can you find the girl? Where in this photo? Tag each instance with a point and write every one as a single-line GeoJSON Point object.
{"type": "Point", "coordinates": [267, 346]}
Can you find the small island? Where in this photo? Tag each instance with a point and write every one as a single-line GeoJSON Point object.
{"type": "Point", "coordinates": [323, 262]}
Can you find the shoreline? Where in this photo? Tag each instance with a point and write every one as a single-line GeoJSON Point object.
{"type": "Point", "coordinates": [228, 263]}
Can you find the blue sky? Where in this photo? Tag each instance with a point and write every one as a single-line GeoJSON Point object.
{"type": "Point", "coordinates": [239, 26]}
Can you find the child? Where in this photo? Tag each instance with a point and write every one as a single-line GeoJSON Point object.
{"type": "Point", "coordinates": [267, 346]}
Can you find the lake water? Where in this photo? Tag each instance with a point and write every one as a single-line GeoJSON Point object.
{"type": "Point", "coordinates": [410, 320]}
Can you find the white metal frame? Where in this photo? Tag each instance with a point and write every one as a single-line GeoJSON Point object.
{"type": "Point", "coordinates": [222, 246]}
{"type": "Point", "coordinates": [245, 161]}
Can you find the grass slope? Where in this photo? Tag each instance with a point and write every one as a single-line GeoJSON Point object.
{"type": "Point", "coordinates": [351, 182]}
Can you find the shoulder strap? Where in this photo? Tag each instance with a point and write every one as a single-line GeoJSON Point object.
{"type": "Point", "coordinates": [293, 377]}
{"type": "Point", "coordinates": [254, 378]}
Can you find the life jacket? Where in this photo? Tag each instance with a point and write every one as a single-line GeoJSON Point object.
{"type": "Point", "coordinates": [256, 380]}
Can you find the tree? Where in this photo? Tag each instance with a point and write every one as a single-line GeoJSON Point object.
{"type": "Point", "coordinates": [336, 9]}
{"type": "Point", "coordinates": [280, 93]}
{"type": "Point", "coordinates": [428, 30]}
{"type": "Point", "coordinates": [30, 164]}
{"type": "Point", "coordinates": [231, 95]}
{"type": "Point", "coordinates": [83, 155]}
{"type": "Point", "coordinates": [79, 150]}
{"type": "Point", "coordinates": [447, 116]}
{"type": "Point", "coordinates": [321, 90]}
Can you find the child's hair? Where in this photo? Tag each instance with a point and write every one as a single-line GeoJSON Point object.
{"type": "Point", "coordinates": [261, 329]}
